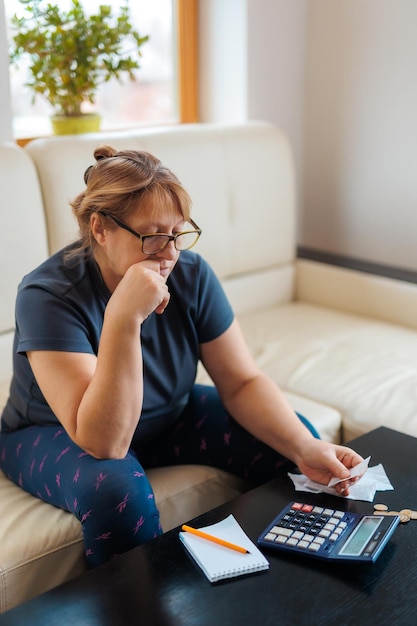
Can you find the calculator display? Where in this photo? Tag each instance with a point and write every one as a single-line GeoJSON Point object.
{"type": "Point", "coordinates": [361, 536]}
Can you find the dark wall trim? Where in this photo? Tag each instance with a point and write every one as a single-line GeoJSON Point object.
{"type": "Point", "coordinates": [389, 271]}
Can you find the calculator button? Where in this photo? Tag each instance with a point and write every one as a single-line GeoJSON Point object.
{"type": "Point", "coordinates": [281, 539]}
{"type": "Point", "coordinates": [329, 527]}
{"type": "Point", "coordinates": [333, 537]}
{"type": "Point", "coordinates": [318, 510]}
{"type": "Point", "coordinates": [339, 514]}
{"type": "Point", "coordinates": [303, 544]}
{"type": "Point", "coordinates": [308, 537]}
{"type": "Point", "coordinates": [328, 512]}
{"type": "Point", "coordinates": [286, 532]}
{"type": "Point", "coordinates": [270, 537]}
{"type": "Point", "coordinates": [314, 547]}
{"type": "Point", "coordinates": [319, 540]}
{"type": "Point", "coordinates": [292, 542]}
{"type": "Point", "coordinates": [324, 533]}
{"type": "Point", "coordinates": [307, 507]}
{"type": "Point", "coordinates": [297, 535]}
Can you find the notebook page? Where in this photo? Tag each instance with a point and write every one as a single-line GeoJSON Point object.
{"type": "Point", "coordinates": [219, 562]}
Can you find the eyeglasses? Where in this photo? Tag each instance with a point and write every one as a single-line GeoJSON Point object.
{"type": "Point", "coordinates": [156, 242]}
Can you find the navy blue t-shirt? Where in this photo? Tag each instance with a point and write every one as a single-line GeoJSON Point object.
{"type": "Point", "coordinates": [60, 306]}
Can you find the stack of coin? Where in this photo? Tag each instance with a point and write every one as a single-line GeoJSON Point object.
{"type": "Point", "coordinates": [405, 514]}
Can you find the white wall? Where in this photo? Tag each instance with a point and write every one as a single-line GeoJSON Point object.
{"type": "Point", "coordinates": [223, 60]}
{"type": "Point", "coordinates": [340, 77]}
{"type": "Point", "coordinates": [360, 141]}
{"type": "Point", "coordinates": [252, 64]}
{"type": "Point", "coordinates": [276, 65]}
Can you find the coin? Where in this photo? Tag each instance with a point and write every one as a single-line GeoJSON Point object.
{"type": "Point", "coordinates": [405, 514]}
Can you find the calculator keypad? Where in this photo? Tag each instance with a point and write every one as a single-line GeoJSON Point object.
{"type": "Point", "coordinates": [307, 527]}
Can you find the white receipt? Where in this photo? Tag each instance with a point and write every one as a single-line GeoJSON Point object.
{"type": "Point", "coordinates": [374, 479]}
{"type": "Point", "coordinates": [358, 470]}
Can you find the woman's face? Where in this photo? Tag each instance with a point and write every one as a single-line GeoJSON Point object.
{"type": "Point", "coordinates": [118, 249]}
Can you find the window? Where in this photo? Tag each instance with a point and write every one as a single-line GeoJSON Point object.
{"type": "Point", "coordinates": [165, 90]}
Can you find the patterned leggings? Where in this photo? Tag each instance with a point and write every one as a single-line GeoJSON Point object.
{"type": "Point", "coordinates": [113, 499]}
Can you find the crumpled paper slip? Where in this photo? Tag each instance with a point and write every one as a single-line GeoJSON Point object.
{"type": "Point", "coordinates": [373, 480]}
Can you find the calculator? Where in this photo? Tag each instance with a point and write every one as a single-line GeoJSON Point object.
{"type": "Point", "coordinates": [328, 533]}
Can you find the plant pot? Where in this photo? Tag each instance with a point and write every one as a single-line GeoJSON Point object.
{"type": "Point", "coordinates": [75, 124]}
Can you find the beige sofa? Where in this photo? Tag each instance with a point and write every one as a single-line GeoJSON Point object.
{"type": "Point", "coordinates": [342, 344]}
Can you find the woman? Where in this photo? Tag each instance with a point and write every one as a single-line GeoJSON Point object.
{"type": "Point", "coordinates": [109, 332]}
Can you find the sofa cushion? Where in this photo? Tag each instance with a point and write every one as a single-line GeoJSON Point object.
{"type": "Point", "coordinates": [366, 369]}
{"type": "Point", "coordinates": [327, 420]}
{"type": "Point", "coordinates": [41, 545]}
{"type": "Point", "coordinates": [185, 491]}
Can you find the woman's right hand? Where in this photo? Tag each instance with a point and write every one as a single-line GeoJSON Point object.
{"type": "Point", "coordinates": [141, 291]}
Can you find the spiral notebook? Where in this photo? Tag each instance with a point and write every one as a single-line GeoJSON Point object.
{"type": "Point", "coordinates": [219, 562]}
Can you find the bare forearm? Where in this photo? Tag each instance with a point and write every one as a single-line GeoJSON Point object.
{"type": "Point", "coordinates": [111, 406]}
{"type": "Point", "coordinates": [262, 409]}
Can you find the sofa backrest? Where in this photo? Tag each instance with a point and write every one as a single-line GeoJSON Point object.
{"type": "Point", "coordinates": [23, 242]}
{"type": "Point", "coordinates": [239, 177]}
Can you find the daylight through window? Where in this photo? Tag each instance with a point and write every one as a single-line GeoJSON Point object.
{"type": "Point", "coordinates": [152, 98]}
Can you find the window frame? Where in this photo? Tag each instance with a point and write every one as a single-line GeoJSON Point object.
{"type": "Point", "coordinates": [187, 33]}
{"type": "Point", "coordinates": [187, 38]}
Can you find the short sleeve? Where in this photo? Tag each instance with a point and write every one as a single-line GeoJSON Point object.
{"type": "Point", "coordinates": [214, 313]}
{"type": "Point", "coordinates": [46, 321]}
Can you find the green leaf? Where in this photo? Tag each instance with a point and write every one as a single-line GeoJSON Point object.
{"type": "Point", "coordinates": [72, 53]}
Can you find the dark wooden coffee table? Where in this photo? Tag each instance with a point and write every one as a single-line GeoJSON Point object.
{"type": "Point", "coordinates": [158, 584]}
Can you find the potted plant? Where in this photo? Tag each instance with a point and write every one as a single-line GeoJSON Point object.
{"type": "Point", "coordinates": [71, 54]}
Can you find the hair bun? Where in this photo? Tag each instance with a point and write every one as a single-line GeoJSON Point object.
{"type": "Point", "coordinates": [100, 153]}
{"type": "Point", "coordinates": [104, 152]}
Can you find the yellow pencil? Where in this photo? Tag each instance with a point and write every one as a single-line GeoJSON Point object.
{"type": "Point", "coordinates": [222, 542]}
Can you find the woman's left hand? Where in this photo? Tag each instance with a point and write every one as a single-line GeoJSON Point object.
{"type": "Point", "coordinates": [321, 461]}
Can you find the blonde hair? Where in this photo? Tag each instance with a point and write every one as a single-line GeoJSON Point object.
{"type": "Point", "coordinates": [117, 182]}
